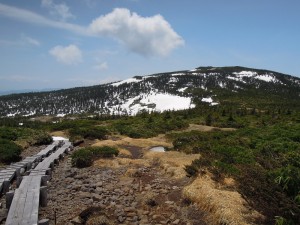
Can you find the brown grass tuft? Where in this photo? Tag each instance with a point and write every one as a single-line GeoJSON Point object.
{"type": "Point", "coordinates": [171, 162]}
{"type": "Point", "coordinates": [224, 207]}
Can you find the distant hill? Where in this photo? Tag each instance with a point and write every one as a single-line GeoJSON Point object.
{"type": "Point", "coordinates": [213, 86]}
{"type": "Point", "coordinates": [25, 91]}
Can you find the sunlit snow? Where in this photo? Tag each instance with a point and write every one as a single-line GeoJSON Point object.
{"type": "Point", "coordinates": [57, 138]}
{"type": "Point", "coordinates": [130, 80]}
{"type": "Point", "coordinates": [178, 74]}
{"type": "Point", "coordinates": [266, 77]}
{"type": "Point", "coordinates": [161, 101]}
{"type": "Point", "coordinates": [182, 89]}
{"type": "Point", "coordinates": [209, 100]}
{"type": "Point", "coordinates": [245, 73]}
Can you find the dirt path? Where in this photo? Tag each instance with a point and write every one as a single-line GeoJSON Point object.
{"type": "Point", "coordinates": [133, 193]}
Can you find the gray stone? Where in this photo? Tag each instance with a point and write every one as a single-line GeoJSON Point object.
{"type": "Point", "coordinates": [176, 221]}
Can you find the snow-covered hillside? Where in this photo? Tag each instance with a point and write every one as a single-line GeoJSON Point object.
{"type": "Point", "coordinates": [211, 86]}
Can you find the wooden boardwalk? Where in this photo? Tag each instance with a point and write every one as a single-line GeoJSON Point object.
{"type": "Point", "coordinates": [25, 201]}
{"type": "Point", "coordinates": [17, 169]}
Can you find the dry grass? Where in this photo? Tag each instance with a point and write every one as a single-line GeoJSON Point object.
{"type": "Point", "coordinates": [144, 143]}
{"type": "Point", "coordinates": [224, 207]}
{"type": "Point", "coordinates": [171, 162]}
{"type": "Point", "coordinates": [59, 134]}
{"type": "Point", "coordinates": [43, 118]}
{"type": "Point", "coordinates": [205, 128]}
{"type": "Point", "coordinates": [120, 162]}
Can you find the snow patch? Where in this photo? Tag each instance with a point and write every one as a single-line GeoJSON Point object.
{"type": "Point", "coordinates": [209, 100]}
{"type": "Point", "coordinates": [178, 74]}
{"type": "Point", "coordinates": [57, 138]}
{"type": "Point", "coordinates": [153, 102]}
{"type": "Point", "coordinates": [182, 89]}
{"type": "Point", "coordinates": [11, 114]}
{"type": "Point", "coordinates": [130, 80]}
{"type": "Point", "coordinates": [245, 73]}
{"type": "Point", "coordinates": [266, 77]}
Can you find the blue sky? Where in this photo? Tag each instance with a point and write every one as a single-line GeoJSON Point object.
{"type": "Point", "coordinates": [62, 44]}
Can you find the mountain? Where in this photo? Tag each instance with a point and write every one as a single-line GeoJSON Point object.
{"type": "Point", "coordinates": [207, 86]}
{"type": "Point", "coordinates": [25, 91]}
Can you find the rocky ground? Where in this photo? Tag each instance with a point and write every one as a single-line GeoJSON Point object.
{"type": "Point", "coordinates": [129, 194]}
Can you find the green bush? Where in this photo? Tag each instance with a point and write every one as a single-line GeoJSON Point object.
{"type": "Point", "coordinates": [85, 157]}
{"type": "Point", "coordinates": [82, 158]}
{"type": "Point", "coordinates": [191, 170]}
{"type": "Point", "coordinates": [90, 132]}
{"type": "Point", "coordinates": [9, 151]}
{"type": "Point", "coordinates": [43, 139]}
{"type": "Point", "coordinates": [8, 133]}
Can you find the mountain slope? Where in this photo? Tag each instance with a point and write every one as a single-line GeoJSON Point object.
{"type": "Point", "coordinates": [164, 91]}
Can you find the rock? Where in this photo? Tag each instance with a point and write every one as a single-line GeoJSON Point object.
{"type": "Point", "coordinates": [131, 214]}
{"type": "Point", "coordinates": [84, 194]}
{"type": "Point", "coordinates": [176, 221]}
{"type": "Point", "coordinates": [129, 209]}
{"type": "Point", "coordinates": [99, 184]}
{"type": "Point", "coordinates": [77, 221]}
{"type": "Point", "coordinates": [121, 219]}
{"type": "Point", "coordinates": [169, 202]}
{"type": "Point", "coordinates": [172, 217]}
{"type": "Point", "coordinates": [96, 197]}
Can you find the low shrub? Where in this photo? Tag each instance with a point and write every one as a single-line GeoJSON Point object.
{"type": "Point", "coordinates": [43, 139]}
{"type": "Point", "coordinates": [90, 132]}
{"type": "Point", "coordinates": [9, 151]}
{"type": "Point", "coordinates": [85, 157]}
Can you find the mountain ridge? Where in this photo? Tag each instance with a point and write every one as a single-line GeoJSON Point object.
{"type": "Point", "coordinates": [176, 90]}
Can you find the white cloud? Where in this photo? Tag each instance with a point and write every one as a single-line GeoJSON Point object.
{"type": "Point", "coordinates": [30, 40]}
{"type": "Point", "coordinates": [60, 10]}
{"type": "Point", "coordinates": [144, 35]}
{"type": "Point", "coordinates": [34, 18]}
{"type": "Point", "coordinates": [101, 66]}
{"type": "Point", "coordinates": [23, 41]}
{"type": "Point", "coordinates": [148, 36]}
{"type": "Point", "coordinates": [67, 55]}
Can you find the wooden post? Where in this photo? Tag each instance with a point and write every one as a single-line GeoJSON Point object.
{"type": "Point", "coordinates": [29, 166]}
{"type": "Point", "coordinates": [44, 180]}
{"type": "Point", "coordinates": [18, 172]}
{"type": "Point", "coordinates": [43, 196]}
{"type": "Point", "coordinates": [19, 180]}
{"type": "Point", "coordinates": [8, 198]}
{"type": "Point", "coordinates": [22, 171]}
{"type": "Point", "coordinates": [6, 185]}
{"type": "Point", "coordinates": [49, 173]}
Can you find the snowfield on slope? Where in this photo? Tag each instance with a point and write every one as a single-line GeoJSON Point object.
{"type": "Point", "coordinates": [162, 102]}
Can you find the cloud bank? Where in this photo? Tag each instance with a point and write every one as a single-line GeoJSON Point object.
{"type": "Point", "coordinates": [67, 55]}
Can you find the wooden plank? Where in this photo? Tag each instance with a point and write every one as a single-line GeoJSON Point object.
{"type": "Point", "coordinates": [17, 207]}
{"type": "Point", "coordinates": [28, 205]}
{"type": "Point", "coordinates": [35, 211]}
